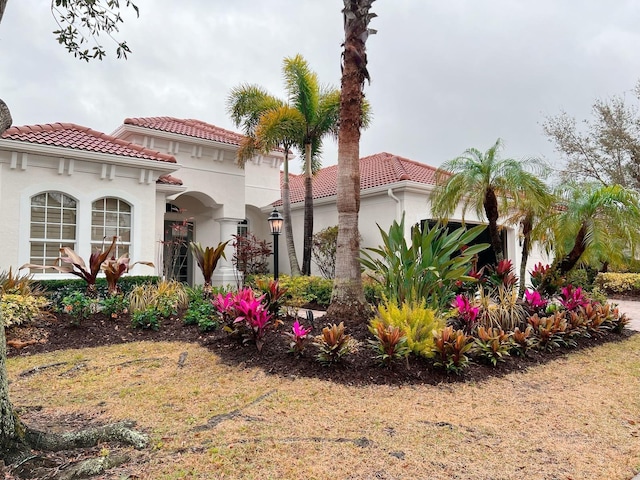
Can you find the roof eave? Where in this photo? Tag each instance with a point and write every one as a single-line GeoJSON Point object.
{"type": "Point", "coordinates": [87, 155]}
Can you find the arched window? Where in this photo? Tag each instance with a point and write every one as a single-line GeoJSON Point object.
{"type": "Point", "coordinates": [53, 225]}
{"type": "Point", "coordinates": [109, 217]}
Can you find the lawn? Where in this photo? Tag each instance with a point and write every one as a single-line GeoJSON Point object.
{"type": "Point", "coordinates": [575, 417]}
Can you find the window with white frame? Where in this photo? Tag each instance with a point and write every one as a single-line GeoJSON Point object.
{"type": "Point", "coordinates": [53, 226]}
{"type": "Point", "coordinates": [111, 217]}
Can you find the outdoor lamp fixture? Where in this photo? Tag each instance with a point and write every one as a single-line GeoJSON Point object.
{"type": "Point", "coordinates": [275, 225]}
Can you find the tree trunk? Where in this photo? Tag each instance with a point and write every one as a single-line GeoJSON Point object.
{"type": "Point", "coordinates": [491, 210]}
{"type": "Point", "coordinates": [5, 114]}
{"type": "Point", "coordinates": [347, 299]}
{"type": "Point", "coordinates": [308, 212]}
{"type": "Point", "coordinates": [12, 441]}
{"type": "Point", "coordinates": [526, 248]}
{"type": "Point", "coordinates": [3, 5]}
{"type": "Point", "coordinates": [286, 214]}
{"type": "Point", "coordinates": [564, 265]}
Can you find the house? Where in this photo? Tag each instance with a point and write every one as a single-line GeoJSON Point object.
{"type": "Point", "coordinates": [152, 182]}
{"type": "Point", "coordinates": [390, 186]}
{"type": "Point", "coordinates": [159, 182]}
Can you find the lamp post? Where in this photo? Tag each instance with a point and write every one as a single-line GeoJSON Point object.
{"type": "Point", "coordinates": [275, 225]}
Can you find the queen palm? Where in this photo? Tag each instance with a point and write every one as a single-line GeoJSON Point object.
{"type": "Point", "coordinates": [309, 114]}
{"type": "Point", "coordinates": [593, 223]}
{"type": "Point", "coordinates": [247, 104]}
{"type": "Point", "coordinates": [485, 183]}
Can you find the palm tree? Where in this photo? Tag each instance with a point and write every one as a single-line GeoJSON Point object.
{"type": "Point", "coordinates": [529, 215]}
{"type": "Point", "coordinates": [310, 114]}
{"type": "Point", "coordinates": [485, 183]}
{"type": "Point", "coordinates": [320, 108]}
{"type": "Point", "coordinates": [247, 105]}
{"type": "Point", "coordinates": [593, 222]}
{"type": "Point", "coordinates": [347, 297]}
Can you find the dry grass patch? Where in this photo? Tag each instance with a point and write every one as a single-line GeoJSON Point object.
{"type": "Point", "coordinates": [577, 417]}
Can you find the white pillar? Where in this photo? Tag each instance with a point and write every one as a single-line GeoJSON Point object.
{"type": "Point", "coordinates": [225, 273]}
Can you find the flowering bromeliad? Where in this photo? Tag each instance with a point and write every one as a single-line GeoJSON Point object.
{"type": "Point", "coordinates": [465, 310]}
{"type": "Point", "coordinates": [299, 337]}
{"type": "Point", "coordinates": [535, 300]}
{"type": "Point", "coordinates": [571, 298]}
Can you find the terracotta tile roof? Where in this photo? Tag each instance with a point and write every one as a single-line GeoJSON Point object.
{"type": "Point", "coordinates": [69, 135]}
{"type": "Point", "coordinates": [188, 127]}
{"type": "Point", "coordinates": [375, 170]}
{"type": "Point", "coordinates": [169, 180]}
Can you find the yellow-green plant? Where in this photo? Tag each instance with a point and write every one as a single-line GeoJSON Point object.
{"type": "Point", "coordinates": [166, 297]}
{"type": "Point", "coordinates": [619, 283]}
{"type": "Point", "coordinates": [16, 308]}
{"type": "Point", "coordinates": [416, 321]}
{"type": "Point", "coordinates": [503, 309]}
{"type": "Point", "coordinates": [16, 283]}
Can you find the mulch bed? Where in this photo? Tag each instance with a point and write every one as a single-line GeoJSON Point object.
{"type": "Point", "coordinates": [57, 333]}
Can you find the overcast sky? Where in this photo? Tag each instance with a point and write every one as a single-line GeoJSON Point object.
{"type": "Point", "coordinates": [446, 75]}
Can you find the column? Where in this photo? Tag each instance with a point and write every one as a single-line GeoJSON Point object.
{"type": "Point", "coordinates": [225, 273]}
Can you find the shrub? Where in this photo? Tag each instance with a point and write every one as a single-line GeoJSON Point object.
{"type": "Point", "coordinates": [428, 268]}
{"type": "Point", "coordinates": [334, 344]}
{"type": "Point", "coordinates": [165, 297]}
{"type": "Point", "coordinates": [390, 342]}
{"type": "Point", "coordinates": [201, 312]}
{"type": "Point", "coordinates": [619, 283]}
{"type": "Point", "coordinates": [114, 305]}
{"type": "Point", "coordinates": [251, 255]}
{"type": "Point", "coordinates": [17, 308]}
{"type": "Point", "coordinates": [450, 349]}
{"type": "Point", "coordinates": [323, 252]}
{"type": "Point", "coordinates": [147, 319]}
{"type": "Point", "coordinates": [78, 306]}
{"type": "Point", "coordinates": [299, 290]}
{"type": "Point", "coordinates": [18, 284]}
{"type": "Point", "coordinates": [416, 321]}
{"type": "Point", "coordinates": [502, 310]}
{"type": "Point", "coordinates": [273, 294]}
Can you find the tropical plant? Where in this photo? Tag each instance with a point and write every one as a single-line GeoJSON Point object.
{"type": "Point", "coordinates": [390, 343]}
{"type": "Point", "coordinates": [165, 297]}
{"type": "Point", "coordinates": [207, 259]}
{"type": "Point", "coordinates": [71, 262]}
{"type": "Point", "coordinates": [534, 300]}
{"type": "Point", "coordinates": [201, 312]}
{"type": "Point", "coordinates": [247, 104]}
{"type": "Point", "coordinates": [548, 332]}
{"type": "Point", "coordinates": [334, 344]}
{"type": "Point", "coordinates": [347, 290]}
{"type": "Point", "coordinates": [273, 294]}
{"type": "Point", "coordinates": [572, 298]}
{"type": "Point", "coordinates": [415, 321]}
{"type": "Point", "coordinates": [299, 337]}
{"type": "Point", "coordinates": [428, 268]}
{"type": "Point", "coordinates": [465, 313]}
{"type": "Point", "coordinates": [492, 345]}
{"type": "Point", "coordinates": [450, 349]}
{"type": "Point", "coordinates": [18, 284]}
{"type": "Point", "coordinates": [502, 309]}
{"type": "Point", "coordinates": [254, 317]}
{"type": "Point", "coordinates": [521, 341]}
{"type": "Point", "coordinates": [114, 268]}
{"type": "Point", "coordinates": [114, 305]}
{"type": "Point", "coordinates": [148, 319]}
{"type": "Point", "coordinates": [591, 224]}
{"type": "Point", "coordinates": [488, 185]}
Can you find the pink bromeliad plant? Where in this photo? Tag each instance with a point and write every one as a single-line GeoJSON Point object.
{"type": "Point", "coordinates": [534, 300]}
{"type": "Point", "coordinates": [299, 336]}
{"type": "Point", "coordinates": [572, 298]}
{"type": "Point", "coordinates": [465, 311]}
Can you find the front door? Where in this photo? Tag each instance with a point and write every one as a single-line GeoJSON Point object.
{"type": "Point", "coordinates": [178, 261]}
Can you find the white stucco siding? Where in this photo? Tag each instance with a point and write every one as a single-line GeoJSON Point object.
{"type": "Point", "coordinates": [84, 182]}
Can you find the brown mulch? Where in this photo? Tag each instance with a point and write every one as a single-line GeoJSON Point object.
{"type": "Point", "coordinates": [57, 333]}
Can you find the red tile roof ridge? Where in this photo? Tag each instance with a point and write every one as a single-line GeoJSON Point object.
{"type": "Point", "coordinates": [169, 180]}
{"type": "Point", "coordinates": [59, 126]}
{"type": "Point", "coordinates": [227, 136]}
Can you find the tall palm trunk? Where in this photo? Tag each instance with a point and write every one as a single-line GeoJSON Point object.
{"type": "Point", "coordinates": [526, 248]}
{"type": "Point", "coordinates": [348, 297]}
{"type": "Point", "coordinates": [308, 211]}
{"type": "Point", "coordinates": [286, 214]}
{"type": "Point", "coordinates": [491, 210]}
{"type": "Point", "coordinates": [563, 265]}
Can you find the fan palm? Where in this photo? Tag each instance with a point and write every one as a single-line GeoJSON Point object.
{"type": "Point", "coordinates": [485, 183]}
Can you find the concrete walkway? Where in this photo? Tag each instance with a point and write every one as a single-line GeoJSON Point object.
{"type": "Point", "coordinates": [632, 309]}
